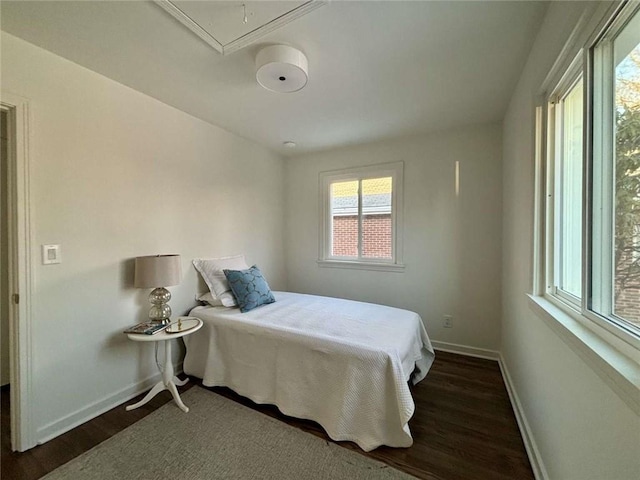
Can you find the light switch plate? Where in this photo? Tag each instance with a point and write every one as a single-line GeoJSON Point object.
{"type": "Point", "coordinates": [51, 254]}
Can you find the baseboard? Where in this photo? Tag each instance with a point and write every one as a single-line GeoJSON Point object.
{"type": "Point", "coordinates": [533, 453]}
{"type": "Point", "coordinates": [466, 350]}
{"type": "Point", "coordinates": [88, 412]}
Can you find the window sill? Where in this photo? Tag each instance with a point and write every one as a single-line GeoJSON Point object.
{"type": "Point", "coordinates": [381, 267]}
{"type": "Point", "coordinates": [616, 368]}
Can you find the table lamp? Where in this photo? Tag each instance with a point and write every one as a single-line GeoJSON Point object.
{"type": "Point", "coordinates": [158, 272]}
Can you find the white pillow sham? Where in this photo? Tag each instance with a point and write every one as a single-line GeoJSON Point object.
{"type": "Point", "coordinates": [210, 299]}
{"type": "Point", "coordinates": [212, 273]}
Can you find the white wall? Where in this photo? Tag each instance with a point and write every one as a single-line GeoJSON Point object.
{"type": "Point", "coordinates": [114, 175]}
{"type": "Point", "coordinates": [582, 429]}
{"type": "Point", "coordinates": [451, 246]}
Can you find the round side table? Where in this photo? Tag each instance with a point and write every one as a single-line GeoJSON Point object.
{"type": "Point", "coordinates": [169, 380]}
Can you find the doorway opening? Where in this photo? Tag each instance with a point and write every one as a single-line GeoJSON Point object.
{"type": "Point", "coordinates": [4, 253]}
{"type": "Point", "coordinates": [15, 272]}
{"type": "Point", "coordinates": [5, 358]}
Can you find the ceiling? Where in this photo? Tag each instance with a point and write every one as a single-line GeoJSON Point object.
{"type": "Point", "coordinates": [376, 69]}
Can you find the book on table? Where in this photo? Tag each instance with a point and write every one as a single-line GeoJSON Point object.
{"type": "Point", "coordinates": [146, 328]}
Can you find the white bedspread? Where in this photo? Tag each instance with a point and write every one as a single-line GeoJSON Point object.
{"type": "Point", "coordinates": [341, 363]}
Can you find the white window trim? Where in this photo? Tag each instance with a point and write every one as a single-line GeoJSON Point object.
{"type": "Point", "coordinates": [554, 152]}
{"type": "Point", "coordinates": [325, 259]}
{"type": "Point", "coordinates": [612, 352]}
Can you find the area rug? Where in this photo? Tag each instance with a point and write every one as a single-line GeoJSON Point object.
{"type": "Point", "coordinates": [218, 439]}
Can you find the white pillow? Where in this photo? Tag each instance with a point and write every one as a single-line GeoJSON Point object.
{"type": "Point", "coordinates": [210, 299]}
{"type": "Point", "coordinates": [212, 273]}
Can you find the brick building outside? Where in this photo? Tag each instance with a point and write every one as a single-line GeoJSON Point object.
{"type": "Point", "coordinates": [627, 305]}
{"type": "Point", "coordinates": [626, 287]}
{"type": "Point", "coordinates": [377, 239]}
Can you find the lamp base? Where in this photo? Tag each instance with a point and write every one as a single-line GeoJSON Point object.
{"type": "Point", "coordinates": [160, 311]}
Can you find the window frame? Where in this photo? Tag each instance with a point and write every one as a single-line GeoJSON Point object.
{"type": "Point", "coordinates": [601, 142]}
{"type": "Point", "coordinates": [577, 58]}
{"type": "Point", "coordinates": [554, 152]}
{"type": "Point", "coordinates": [395, 170]}
{"type": "Point", "coordinates": [612, 353]}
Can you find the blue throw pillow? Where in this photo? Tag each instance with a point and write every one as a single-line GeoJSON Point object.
{"type": "Point", "coordinates": [249, 287]}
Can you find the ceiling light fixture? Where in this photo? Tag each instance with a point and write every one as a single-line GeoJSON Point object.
{"type": "Point", "coordinates": [281, 69]}
{"type": "Point", "coordinates": [289, 144]}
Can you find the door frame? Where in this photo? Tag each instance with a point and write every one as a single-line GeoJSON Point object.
{"type": "Point", "coordinates": [20, 271]}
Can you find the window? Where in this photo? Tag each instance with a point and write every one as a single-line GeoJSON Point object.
{"type": "Point", "coordinates": [616, 166]}
{"type": "Point", "coordinates": [592, 189]}
{"type": "Point", "coordinates": [361, 217]}
{"type": "Point", "coordinates": [567, 164]}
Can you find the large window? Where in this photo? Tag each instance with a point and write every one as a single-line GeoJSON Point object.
{"type": "Point", "coordinates": [362, 216]}
{"type": "Point", "coordinates": [593, 180]}
{"type": "Point", "coordinates": [616, 166]}
{"type": "Point", "coordinates": [566, 117]}
{"type": "Point", "coordinates": [626, 55]}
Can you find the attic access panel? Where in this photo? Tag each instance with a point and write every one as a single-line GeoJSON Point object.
{"type": "Point", "coordinates": [222, 24]}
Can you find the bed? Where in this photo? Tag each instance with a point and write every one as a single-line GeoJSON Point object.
{"type": "Point", "coordinates": [344, 364]}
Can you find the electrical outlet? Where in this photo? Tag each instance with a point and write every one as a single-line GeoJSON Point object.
{"type": "Point", "coordinates": [448, 321]}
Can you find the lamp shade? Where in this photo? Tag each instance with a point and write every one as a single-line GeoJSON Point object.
{"type": "Point", "coordinates": [158, 271]}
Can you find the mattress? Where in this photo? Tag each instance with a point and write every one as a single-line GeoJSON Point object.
{"type": "Point", "coordinates": [341, 363]}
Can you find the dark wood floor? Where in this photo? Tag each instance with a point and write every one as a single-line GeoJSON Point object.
{"type": "Point", "coordinates": [463, 428]}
